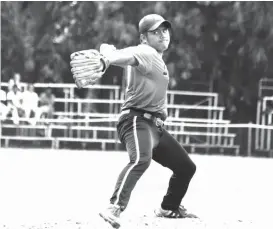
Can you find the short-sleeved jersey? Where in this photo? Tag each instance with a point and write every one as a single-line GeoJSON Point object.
{"type": "Point", "coordinates": [147, 82]}
{"type": "Point", "coordinates": [15, 98]}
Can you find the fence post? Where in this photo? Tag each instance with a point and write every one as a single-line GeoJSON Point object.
{"type": "Point", "coordinates": [249, 139]}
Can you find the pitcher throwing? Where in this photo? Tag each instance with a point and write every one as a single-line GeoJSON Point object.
{"type": "Point", "coordinates": [141, 124]}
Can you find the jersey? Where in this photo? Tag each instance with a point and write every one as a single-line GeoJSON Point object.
{"type": "Point", "coordinates": [15, 98]}
{"type": "Point", "coordinates": [147, 83]}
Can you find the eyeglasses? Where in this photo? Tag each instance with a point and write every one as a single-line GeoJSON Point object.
{"type": "Point", "coordinates": [159, 31]}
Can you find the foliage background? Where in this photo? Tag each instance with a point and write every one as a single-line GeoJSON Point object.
{"type": "Point", "coordinates": [225, 47]}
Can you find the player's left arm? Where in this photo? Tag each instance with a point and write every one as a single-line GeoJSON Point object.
{"type": "Point", "coordinates": [89, 65]}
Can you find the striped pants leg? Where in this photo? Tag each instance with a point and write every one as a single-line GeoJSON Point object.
{"type": "Point", "coordinates": [140, 137]}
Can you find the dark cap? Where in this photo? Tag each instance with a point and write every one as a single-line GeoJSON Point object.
{"type": "Point", "coordinates": [151, 22]}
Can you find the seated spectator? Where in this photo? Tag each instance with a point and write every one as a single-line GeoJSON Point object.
{"type": "Point", "coordinates": [14, 104]}
{"type": "Point", "coordinates": [30, 101]}
{"type": "Point", "coordinates": [3, 105]}
{"type": "Point", "coordinates": [46, 105]}
{"type": "Point", "coordinates": [16, 80]}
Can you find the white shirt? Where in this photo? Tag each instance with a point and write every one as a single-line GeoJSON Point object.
{"type": "Point", "coordinates": [3, 95]}
{"type": "Point", "coordinates": [30, 99]}
{"type": "Point", "coordinates": [12, 83]}
{"type": "Point", "coordinates": [15, 98]}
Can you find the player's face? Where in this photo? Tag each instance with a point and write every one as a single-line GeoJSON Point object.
{"type": "Point", "coordinates": [159, 39]}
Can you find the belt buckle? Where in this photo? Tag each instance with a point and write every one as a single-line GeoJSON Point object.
{"type": "Point", "coordinates": [147, 116]}
{"type": "Point", "coordinates": [159, 122]}
{"type": "Point", "coordinates": [125, 112]}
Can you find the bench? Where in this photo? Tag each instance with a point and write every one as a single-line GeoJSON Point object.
{"type": "Point", "coordinates": [110, 132]}
{"type": "Point", "coordinates": [103, 141]}
{"type": "Point", "coordinates": [228, 139]}
{"type": "Point", "coordinates": [55, 143]}
{"type": "Point", "coordinates": [192, 147]}
{"type": "Point", "coordinates": [207, 147]}
{"type": "Point", "coordinates": [172, 123]}
{"type": "Point", "coordinates": [67, 128]}
{"type": "Point", "coordinates": [7, 139]}
{"type": "Point", "coordinates": [109, 115]}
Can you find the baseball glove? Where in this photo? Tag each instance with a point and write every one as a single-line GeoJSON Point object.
{"type": "Point", "coordinates": [88, 66]}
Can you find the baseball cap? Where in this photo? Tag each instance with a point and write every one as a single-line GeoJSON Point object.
{"type": "Point", "coordinates": [151, 22]}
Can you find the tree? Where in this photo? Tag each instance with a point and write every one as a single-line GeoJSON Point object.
{"type": "Point", "coordinates": [225, 47]}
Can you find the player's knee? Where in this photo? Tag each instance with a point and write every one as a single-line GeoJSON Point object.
{"type": "Point", "coordinates": [144, 163]}
{"type": "Point", "coordinates": [147, 163]}
{"type": "Point", "coordinates": [186, 171]}
{"type": "Point", "coordinates": [192, 169]}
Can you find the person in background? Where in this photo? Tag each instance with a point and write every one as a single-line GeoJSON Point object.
{"type": "Point", "coordinates": [14, 104]}
{"type": "Point", "coordinates": [46, 105]}
{"type": "Point", "coordinates": [3, 105]}
{"type": "Point", "coordinates": [16, 80]}
{"type": "Point", "coordinates": [30, 101]}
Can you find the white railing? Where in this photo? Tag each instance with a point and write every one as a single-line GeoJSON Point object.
{"type": "Point", "coordinates": [209, 98]}
{"type": "Point", "coordinates": [211, 95]}
{"type": "Point", "coordinates": [76, 128]}
{"type": "Point", "coordinates": [265, 90]}
{"type": "Point", "coordinates": [244, 134]}
{"type": "Point", "coordinates": [265, 119]}
{"type": "Point", "coordinates": [69, 90]}
{"type": "Point", "coordinates": [66, 85]}
{"type": "Point", "coordinates": [116, 88]}
{"type": "Point", "coordinates": [115, 93]}
{"type": "Point", "coordinates": [265, 95]}
{"type": "Point", "coordinates": [174, 110]}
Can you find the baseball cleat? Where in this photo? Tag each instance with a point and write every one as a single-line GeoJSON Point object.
{"type": "Point", "coordinates": [181, 212]}
{"type": "Point", "coordinates": [111, 215]}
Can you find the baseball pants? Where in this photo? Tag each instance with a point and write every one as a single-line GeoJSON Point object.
{"type": "Point", "coordinates": [145, 141]}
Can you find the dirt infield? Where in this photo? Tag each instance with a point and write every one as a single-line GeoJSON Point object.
{"type": "Point", "coordinates": [43, 189]}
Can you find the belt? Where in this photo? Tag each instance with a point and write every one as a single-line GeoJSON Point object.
{"type": "Point", "coordinates": [157, 121]}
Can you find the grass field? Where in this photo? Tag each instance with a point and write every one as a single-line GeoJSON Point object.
{"type": "Point", "coordinates": [66, 190]}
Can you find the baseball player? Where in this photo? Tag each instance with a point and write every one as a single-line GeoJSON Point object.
{"type": "Point", "coordinates": [141, 123]}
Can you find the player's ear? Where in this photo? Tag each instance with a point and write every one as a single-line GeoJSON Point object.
{"type": "Point", "coordinates": [143, 38]}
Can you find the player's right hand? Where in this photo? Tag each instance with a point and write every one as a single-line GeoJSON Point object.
{"type": "Point", "coordinates": [107, 49]}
